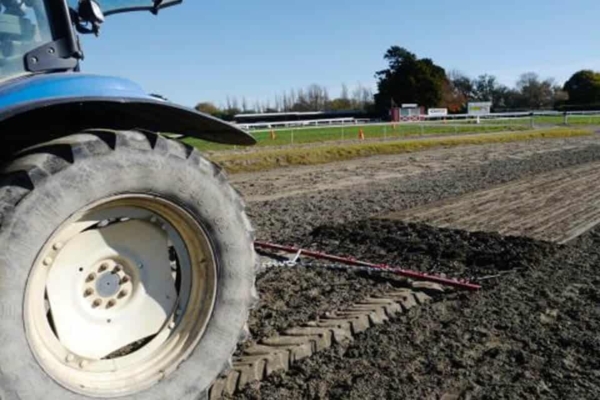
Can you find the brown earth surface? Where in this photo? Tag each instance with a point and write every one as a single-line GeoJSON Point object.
{"type": "Point", "coordinates": [556, 206]}
{"type": "Point", "coordinates": [531, 333]}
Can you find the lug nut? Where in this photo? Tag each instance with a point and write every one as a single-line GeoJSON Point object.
{"type": "Point", "coordinates": [88, 292]}
{"type": "Point", "coordinates": [57, 246]}
{"type": "Point", "coordinates": [83, 364]}
{"type": "Point", "coordinates": [103, 267]}
{"type": "Point", "coordinates": [117, 269]}
{"type": "Point", "coordinates": [153, 220]}
{"type": "Point", "coordinates": [48, 261]}
{"type": "Point", "coordinates": [111, 303]}
{"type": "Point", "coordinates": [122, 294]}
{"type": "Point", "coordinates": [97, 303]}
{"type": "Point", "coordinates": [90, 278]}
{"type": "Point", "coordinates": [70, 358]}
{"type": "Point", "coordinates": [124, 280]}
{"type": "Point", "coordinates": [172, 325]}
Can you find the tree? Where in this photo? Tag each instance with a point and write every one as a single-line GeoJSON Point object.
{"type": "Point", "coordinates": [584, 87]}
{"type": "Point", "coordinates": [340, 104]}
{"type": "Point", "coordinates": [484, 88]}
{"type": "Point", "coordinates": [409, 79]}
{"type": "Point", "coordinates": [452, 98]}
{"type": "Point", "coordinates": [208, 108]}
{"type": "Point", "coordinates": [344, 95]}
{"type": "Point", "coordinates": [461, 84]}
{"type": "Point", "coordinates": [536, 94]}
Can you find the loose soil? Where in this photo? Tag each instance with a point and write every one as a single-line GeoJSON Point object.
{"type": "Point", "coordinates": [556, 206]}
{"type": "Point", "coordinates": [532, 331]}
{"type": "Point", "coordinates": [529, 334]}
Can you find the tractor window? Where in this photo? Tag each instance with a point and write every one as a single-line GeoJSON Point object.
{"type": "Point", "coordinates": [24, 26]}
{"type": "Point", "coordinates": [115, 6]}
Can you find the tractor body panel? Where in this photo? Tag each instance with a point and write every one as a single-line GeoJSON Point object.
{"type": "Point", "coordinates": [76, 101]}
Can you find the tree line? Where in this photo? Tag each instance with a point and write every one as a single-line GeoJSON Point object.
{"type": "Point", "coordinates": [410, 79]}
{"type": "Point", "coordinates": [312, 98]}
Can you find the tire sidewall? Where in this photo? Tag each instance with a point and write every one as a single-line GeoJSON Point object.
{"type": "Point", "coordinates": [190, 183]}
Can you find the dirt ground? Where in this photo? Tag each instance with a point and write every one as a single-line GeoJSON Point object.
{"type": "Point", "coordinates": [556, 206]}
{"type": "Point", "coordinates": [531, 333]}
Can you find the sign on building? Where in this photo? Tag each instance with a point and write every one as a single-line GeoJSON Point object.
{"type": "Point", "coordinates": [480, 108]}
{"type": "Point", "coordinates": [437, 112]}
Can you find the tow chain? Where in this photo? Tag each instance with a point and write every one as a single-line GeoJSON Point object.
{"type": "Point", "coordinates": [351, 264]}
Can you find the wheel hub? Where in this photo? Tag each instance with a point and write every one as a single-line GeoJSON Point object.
{"type": "Point", "coordinates": [102, 308]}
{"type": "Point", "coordinates": [108, 284]}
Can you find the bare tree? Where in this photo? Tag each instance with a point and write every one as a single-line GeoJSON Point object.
{"type": "Point", "coordinates": [317, 97]}
{"type": "Point", "coordinates": [344, 95]}
{"type": "Point", "coordinates": [362, 97]}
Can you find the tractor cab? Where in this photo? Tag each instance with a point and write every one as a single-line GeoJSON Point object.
{"type": "Point", "coordinates": [40, 35]}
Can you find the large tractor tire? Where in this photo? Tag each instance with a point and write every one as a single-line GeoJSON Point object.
{"type": "Point", "coordinates": [126, 270]}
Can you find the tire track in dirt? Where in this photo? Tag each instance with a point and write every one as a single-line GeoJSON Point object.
{"type": "Point", "coordinates": [556, 206]}
{"type": "Point", "coordinates": [279, 353]}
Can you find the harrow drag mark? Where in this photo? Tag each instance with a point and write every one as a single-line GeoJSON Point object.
{"type": "Point", "coordinates": [557, 206]}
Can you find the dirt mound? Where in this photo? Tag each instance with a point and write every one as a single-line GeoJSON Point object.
{"type": "Point", "coordinates": [530, 334]}
{"type": "Point", "coordinates": [424, 248]}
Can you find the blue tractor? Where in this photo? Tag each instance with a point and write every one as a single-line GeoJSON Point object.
{"type": "Point", "coordinates": [127, 265]}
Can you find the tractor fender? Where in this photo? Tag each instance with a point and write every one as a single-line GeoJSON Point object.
{"type": "Point", "coordinates": [71, 102]}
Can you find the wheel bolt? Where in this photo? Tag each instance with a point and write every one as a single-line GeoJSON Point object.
{"type": "Point", "coordinates": [57, 246]}
{"type": "Point", "coordinates": [111, 303]}
{"type": "Point", "coordinates": [153, 220]}
{"type": "Point", "coordinates": [124, 280]}
{"type": "Point", "coordinates": [83, 364]}
{"type": "Point", "coordinates": [103, 267]}
{"type": "Point", "coordinates": [97, 303]}
{"type": "Point", "coordinates": [122, 294]}
{"type": "Point", "coordinates": [88, 292]}
{"type": "Point", "coordinates": [172, 325]}
{"type": "Point", "coordinates": [117, 269]}
{"type": "Point", "coordinates": [70, 358]}
{"type": "Point", "coordinates": [90, 278]}
{"type": "Point", "coordinates": [48, 261]}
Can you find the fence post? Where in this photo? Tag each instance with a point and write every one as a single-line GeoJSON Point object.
{"type": "Point", "coordinates": [422, 129]}
{"type": "Point", "coordinates": [532, 125]}
{"type": "Point", "coordinates": [342, 133]}
{"type": "Point", "coordinates": [384, 132]}
{"type": "Point", "coordinates": [292, 136]}
{"type": "Point", "coordinates": [566, 121]}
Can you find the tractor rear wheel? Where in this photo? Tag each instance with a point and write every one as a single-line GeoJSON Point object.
{"type": "Point", "coordinates": [126, 269]}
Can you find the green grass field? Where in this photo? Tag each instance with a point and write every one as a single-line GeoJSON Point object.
{"type": "Point", "coordinates": [325, 134]}
{"type": "Point", "coordinates": [268, 158]}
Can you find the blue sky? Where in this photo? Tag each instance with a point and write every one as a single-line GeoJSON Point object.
{"type": "Point", "coordinates": [206, 50]}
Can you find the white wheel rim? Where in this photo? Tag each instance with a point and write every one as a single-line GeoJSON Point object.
{"type": "Point", "coordinates": [104, 315]}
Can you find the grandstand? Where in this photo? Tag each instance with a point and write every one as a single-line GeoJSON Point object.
{"type": "Point", "coordinates": [288, 119]}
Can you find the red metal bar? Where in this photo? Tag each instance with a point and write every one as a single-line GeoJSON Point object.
{"type": "Point", "coordinates": [351, 261]}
